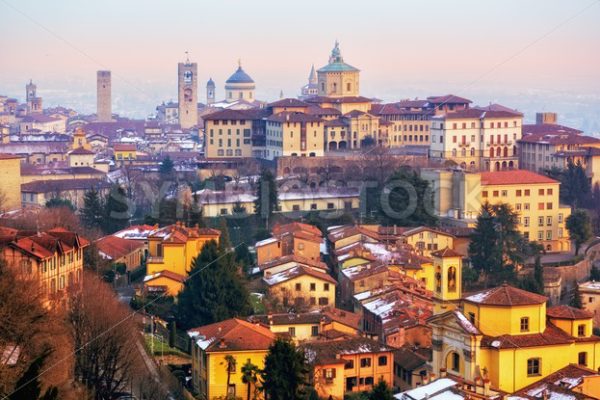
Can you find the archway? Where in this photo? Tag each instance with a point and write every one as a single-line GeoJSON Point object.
{"type": "Point", "coordinates": [506, 152]}
{"type": "Point", "coordinates": [333, 146]}
{"type": "Point", "coordinates": [503, 165]}
{"type": "Point", "coordinates": [511, 165]}
{"type": "Point", "coordinates": [454, 363]}
{"type": "Point", "coordinates": [491, 152]}
{"type": "Point", "coordinates": [463, 165]}
{"type": "Point", "coordinates": [342, 145]}
{"type": "Point", "coordinates": [497, 166]}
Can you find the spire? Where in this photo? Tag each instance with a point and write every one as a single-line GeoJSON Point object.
{"type": "Point", "coordinates": [281, 94]}
{"type": "Point", "coordinates": [187, 57]}
{"type": "Point", "coordinates": [312, 77]}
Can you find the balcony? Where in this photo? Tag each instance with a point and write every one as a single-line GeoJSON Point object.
{"type": "Point", "coordinates": [464, 144]}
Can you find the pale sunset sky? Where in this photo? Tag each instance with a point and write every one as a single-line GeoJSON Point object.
{"type": "Point", "coordinates": [532, 55]}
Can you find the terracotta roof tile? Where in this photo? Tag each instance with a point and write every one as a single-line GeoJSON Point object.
{"type": "Point", "coordinates": [232, 335]}
{"type": "Point", "coordinates": [519, 176]}
{"type": "Point", "coordinates": [116, 247]}
{"type": "Point", "coordinates": [566, 312]}
{"type": "Point", "coordinates": [505, 295]}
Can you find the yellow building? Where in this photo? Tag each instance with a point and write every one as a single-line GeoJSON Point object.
{"type": "Point", "coordinates": [349, 365]}
{"type": "Point", "coordinates": [302, 287]}
{"type": "Point", "coordinates": [228, 133]}
{"type": "Point", "coordinates": [458, 197]}
{"type": "Point", "coordinates": [338, 79]}
{"type": "Point", "coordinates": [295, 238]}
{"type": "Point", "coordinates": [219, 352]}
{"type": "Point", "coordinates": [295, 134]}
{"type": "Point", "coordinates": [10, 182]}
{"type": "Point", "coordinates": [37, 193]}
{"type": "Point", "coordinates": [426, 240]}
{"type": "Point", "coordinates": [53, 259]}
{"type": "Point", "coordinates": [506, 335]}
{"type": "Point", "coordinates": [174, 247]}
{"type": "Point", "coordinates": [125, 152]}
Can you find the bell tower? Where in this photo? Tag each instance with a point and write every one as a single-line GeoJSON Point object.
{"type": "Point", "coordinates": [447, 267]}
{"type": "Point", "coordinates": [187, 81]}
{"type": "Point", "coordinates": [210, 92]}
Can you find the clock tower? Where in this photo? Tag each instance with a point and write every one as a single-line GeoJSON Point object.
{"type": "Point", "coordinates": [187, 80]}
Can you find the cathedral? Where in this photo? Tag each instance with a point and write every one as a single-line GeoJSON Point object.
{"type": "Point", "coordinates": [239, 92]}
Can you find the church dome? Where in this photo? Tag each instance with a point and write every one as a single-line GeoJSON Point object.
{"type": "Point", "coordinates": [240, 76]}
{"type": "Point", "coordinates": [210, 83]}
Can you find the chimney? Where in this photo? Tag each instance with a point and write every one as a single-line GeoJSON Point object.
{"type": "Point", "coordinates": [443, 372]}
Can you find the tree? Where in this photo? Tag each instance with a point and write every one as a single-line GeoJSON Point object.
{"type": "Point", "coordinates": [250, 377]}
{"type": "Point", "coordinates": [580, 228]}
{"type": "Point", "coordinates": [399, 187]}
{"type": "Point", "coordinates": [575, 186]}
{"type": "Point", "coordinates": [92, 213]}
{"type": "Point", "coordinates": [117, 212]}
{"type": "Point", "coordinates": [166, 168]}
{"type": "Point", "coordinates": [266, 197]}
{"type": "Point", "coordinates": [595, 273]}
{"type": "Point", "coordinates": [575, 300]}
{"type": "Point", "coordinates": [28, 386]}
{"type": "Point", "coordinates": [57, 202]}
{"type": "Point", "coordinates": [538, 274]}
{"type": "Point", "coordinates": [284, 375]}
{"type": "Point", "coordinates": [484, 253]}
{"type": "Point", "coordinates": [104, 335]}
{"type": "Point", "coordinates": [214, 290]}
{"type": "Point", "coordinates": [224, 241]}
{"type": "Point", "coordinates": [381, 391]}
{"type": "Point", "coordinates": [230, 366]}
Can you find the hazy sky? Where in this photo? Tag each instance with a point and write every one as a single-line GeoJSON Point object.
{"type": "Point", "coordinates": [489, 50]}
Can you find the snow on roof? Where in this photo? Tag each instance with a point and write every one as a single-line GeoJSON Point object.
{"type": "Point", "coordinates": [438, 388]}
{"type": "Point", "coordinates": [466, 324]}
{"type": "Point", "coordinates": [479, 297]}
{"type": "Point", "coordinates": [323, 247]}
{"type": "Point", "coordinates": [266, 241]}
{"type": "Point", "coordinates": [590, 285]}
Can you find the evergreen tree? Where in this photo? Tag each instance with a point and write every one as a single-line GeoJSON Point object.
{"type": "Point", "coordinates": [166, 168]}
{"type": "Point", "coordinates": [402, 206]}
{"type": "Point", "coordinates": [538, 275]}
{"type": "Point", "coordinates": [381, 391]}
{"type": "Point", "coordinates": [224, 241]}
{"type": "Point", "coordinates": [484, 252]}
{"type": "Point", "coordinates": [575, 186]}
{"type": "Point", "coordinates": [266, 197]}
{"type": "Point", "coordinates": [213, 292]}
{"type": "Point", "coordinates": [92, 213]}
{"type": "Point", "coordinates": [575, 300]}
{"type": "Point", "coordinates": [116, 210]}
{"type": "Point", "coordinates": [28, 385]}
{"type": "Point", "coordinates": [243, 256]}
{"type": "Point", "coordinates": [580, 228]}
{"type": "Point", "coordinates": [284, 375]}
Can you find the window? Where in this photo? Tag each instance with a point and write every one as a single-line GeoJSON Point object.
{"type": "Point", "coordinates": [349, 364]}
{"type": "Point", "coordinates": [495, 193]}
{"type": "Point", "coordinates": [548, 235]}
{"type": "Point", "coordinates": [541, 206]}
{"type": "Point", "coordinates": [323, 301]}
{"type": "Point", "coordinates": [369, 380]}
{"type": "Point", "coordinates": [382, 360]}
{"type": "Point", "coordinates": [533, 367]}
{"type": "Point", "coordinates": [330, 206]}
{"type": "Point", "coordinates": [298, 287]}
{"type": "Point", "coordinates": [525, 324]}
{"type": "Point", "coordinates": [313, 301]}
{"type": "Point", "coordinates": [527, 192]}
{"type": "Point", "coordinates": [548, 192]}
{"type": "Point", "coordinates": [313, 287]}
{"type": "Point", "coordinates": [455, 362]}
{"type": "Point", "coordinates": [330, 373]}
{"type": "Point", "coordinates": [519, 193]}
{"type": "Point", "coordinates": [548, 206]}
{"type": "Point", "coordinates": [548, 221]}
{"type": "Point", "coordinates": [526, 206]}
{"type": "Point", "coordinates": [326, 287]}
{"type": "Point", "coordinates": [314, 330]}
{"type": "Point", "coordinates": [518, 206]}
{"type": "Point", "coordinates": [541, 192]}
{"type": "Point", "coordinates": [472, 317]}
{"type": "Point", "coordinates": [313, 206]}
{"type": "Point", "coordinates": [295, 207]}
{"type": "Point", "coordinates": [484, 193]}
{"type": "Point", "coordinates": [581, 330]}
{"type": "Point", "coordinates": [292, 331]}
{"type": "Point", "coordinates": [526, 221]}
{"type": "Point", "coordinates": [582, 358]}
{"type": "Point", "coordinates": [504, 193]}
{"type": "Point", "coordinates": [540, 221]}
{"type": "Point", "coordinates": [365, 362]}
{"type": "Point", "coordinates": [560, 218]}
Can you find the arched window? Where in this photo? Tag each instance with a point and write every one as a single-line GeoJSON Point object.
{"type": "Point", "coordinates": [453, 152]}
{"type": "Point", "coordinates": [506, 152]}
{"type": "Point", "coordinates": [472, 151]}
{"type": "Point", "coordinates": [452, 279]}
{"type": "Point", "coordinates": [463, 152]}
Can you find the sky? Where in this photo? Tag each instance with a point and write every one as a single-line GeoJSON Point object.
{"type": "Point", "coordinates": [531, 55]}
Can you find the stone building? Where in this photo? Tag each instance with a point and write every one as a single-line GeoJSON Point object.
{"type": "Point", "coordinates": [187, 82]}
{"type": "Point", "coordinates": [103, 96]}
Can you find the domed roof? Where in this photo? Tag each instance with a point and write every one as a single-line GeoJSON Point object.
{"type": "Point", "coordinates": [240, 76]}
{"type": "Point", "coordinates": [210, 82]}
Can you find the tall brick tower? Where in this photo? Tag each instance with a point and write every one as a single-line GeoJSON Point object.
{"type": "Point", "coordinates": [34, 103]}
{"type": "Point", "coordinates": [187, 82]}
{"type": "Point", "coordinates": [103, 96]}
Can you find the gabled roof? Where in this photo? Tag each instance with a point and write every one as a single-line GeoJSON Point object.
{"type": "Point", "coordinates": [329, 352]}
{"type": "Point", "coordinates": [165, 274]}
{"type": "Point", "coordinates": [448, 99]}
{"type": "Point", "coordinates": [506, 295]}
{"type": "Point", "coordinates": [295, 258]}
{"type": "Point", "coordinates": [114, 247]}
{"type": "Point", "coordinates": [551, 336]}
{"type": "Point", "coordinates": [447, 252]}
{"type": "Point", "coordinates": [567, 312]}
{"type": "Point", "coordinates": [288, 116]}
{"type": "Point", "coordinates": [292, 273]}
{"type": "Point", "coordinates": [557, 385]}
{"type": "Point", "coordinates": [232, 335]}
{"type": "Point", "coordinates": [290, 102]}
{"type": "Point", "coordinates": [124, 147]}
{"type": "Point", "coordinates": [81, 151]}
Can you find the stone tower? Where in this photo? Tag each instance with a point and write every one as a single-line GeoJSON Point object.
{"type": "Point", "coordinates": [34, 103]}
{"type": "Point", "coordinates": [210, 92]}
{"type": "Point", "coordinates": [30, 91]}
{"type": "Point", "coordinates": [187, 82]}
{"type": "Point", "coordinates": [447, 293]}
{"type": "Point", "coordinates": [103, 96]}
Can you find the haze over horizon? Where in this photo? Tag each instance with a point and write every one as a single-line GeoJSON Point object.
{"type": "Point", "coordinates": [535, 56]}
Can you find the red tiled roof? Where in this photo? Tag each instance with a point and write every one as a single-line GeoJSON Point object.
{"type": "Point", "coordinates": [505, 295]}
{"type": "Point", "coordinates": [338, 100]}
{"type": "Point", "coordinates": [343, 317]}
{"type": "Point", "coordinates": [328, 352]}
{"type": "Point", "coordinates": [566, 312]}
{"type": "Point", "coordinates": [232, 335]}
{"type": "Point", "coordinates": [116, 247]}
{"type": "Point", "coordinates": [295, 272]}
{"type": "Point", "coordinates": [9, 156]}
{"type": "Point", "coordinates": [448, 99]}
{"type": "Point", "coordinates": [514, 177]}
{"type": "Point", "coordinates": [53, 185]}
{"type": "Point", "coordinates": [294, 258]}
{"type": "Point", "coordinates": [81, 151]}
{"type": "Point", "coordinates": [551, 336]}
{"type": "Point", "coordinates": [165, 274]}
{"type": "Point", "coordinates": [295, 227]}
{"type": "Point", "coordinates": [287, 116]}
{"type": "Point", "coordinates": [447, 252]}
{"type": "Point", "coordinates": [549, 129]}
{"type": "Point", "coordinates": [124, 147]}
{"type": "Point", "coordinates": [290, 102]}
{"type": "Point", "coordinates": [480, 114]}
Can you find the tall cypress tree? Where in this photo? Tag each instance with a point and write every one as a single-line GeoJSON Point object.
{"type": "Point", "coordinates": [284, 375]}
{"type": "Point", "coordinates": [484, 252]}
{"type": "Point", "coordinates": [117, 212]}
{"type": "Point", "coordinates": [92, 212]}
{"type": "Point", "coordinates": [214, 290]}
{"type": "Point", "coordinates": [266, 197]}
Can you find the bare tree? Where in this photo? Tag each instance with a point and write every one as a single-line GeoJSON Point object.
{"type": "Point", "coordinates": [105, 339]}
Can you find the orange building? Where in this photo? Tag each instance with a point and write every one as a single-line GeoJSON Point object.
{"type": "Point", "coordinates": [349, 365]}
{"type": "Point", "coordinates": [53, 258]}
{"type": "Point", "coordinates": [294, 238]}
